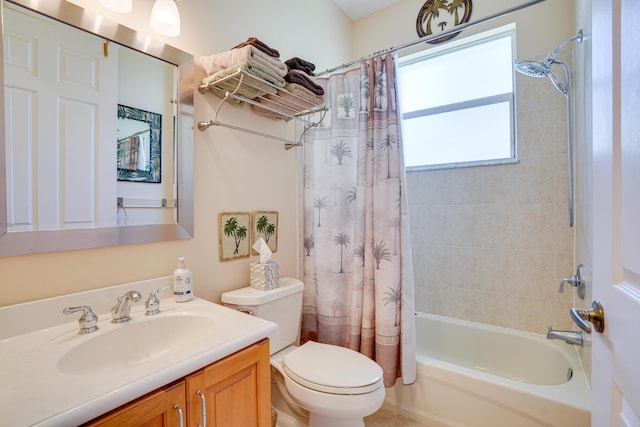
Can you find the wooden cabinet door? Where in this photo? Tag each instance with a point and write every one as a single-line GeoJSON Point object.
{"type": "Point", "coordinates": [156, 409]}
{"type": "Point", "coordinates": [235, 391]}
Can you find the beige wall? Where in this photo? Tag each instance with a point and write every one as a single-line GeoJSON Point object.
{"type": "Point", "coordinates": [540, 27]}
{"type": "Point", "coordinates": [491, 244]}
{"type": "Point", "coordinates": [233, 171]}
{"type": "Point", "coordinates": [238, 172]}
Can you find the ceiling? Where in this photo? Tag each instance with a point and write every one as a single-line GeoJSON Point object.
{"type": "Point", "coordinates": [356, 9]}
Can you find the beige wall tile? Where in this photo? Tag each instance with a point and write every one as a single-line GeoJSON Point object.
{"type": "Point", "coordinates": [496, 238]}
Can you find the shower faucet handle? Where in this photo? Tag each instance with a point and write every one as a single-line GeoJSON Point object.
{"type": "Point", "coordinates": [573, 280]}
{"type": "Point", "coordinates": [577, 281]}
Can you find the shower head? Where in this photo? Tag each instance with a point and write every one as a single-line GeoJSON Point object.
{"type": "Point", "coordinates": [558, 83]}
{"type": "Point", "coordinates": [543, 69]}
{"type": "Point", "coordinates": [540, 70]}
{"type": "Point", "coordinates": [532, 68]}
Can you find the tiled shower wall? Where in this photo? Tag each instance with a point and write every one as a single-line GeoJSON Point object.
{"type": "Point", "coordinates": [492, 243]}
{"type": "Point", "coordinates": [584, 165]}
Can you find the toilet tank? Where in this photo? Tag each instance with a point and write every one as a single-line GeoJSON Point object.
{"type": "Point", "coordinates": [282, 305]}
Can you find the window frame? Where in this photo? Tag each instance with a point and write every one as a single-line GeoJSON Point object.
{"type": "Point", "coordinates": [508, 30]}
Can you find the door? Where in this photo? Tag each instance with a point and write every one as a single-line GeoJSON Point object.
{"type": "Point", "coordinates": [60, 103]}
{"type": "Point", "coordinates": [616, 211]}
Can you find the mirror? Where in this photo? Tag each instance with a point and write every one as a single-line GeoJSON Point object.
{"type": "Point", "coordinates": [175, 167]}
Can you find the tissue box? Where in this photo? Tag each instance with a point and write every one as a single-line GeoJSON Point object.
{"type": "Point", "coordinates": [264, 276]}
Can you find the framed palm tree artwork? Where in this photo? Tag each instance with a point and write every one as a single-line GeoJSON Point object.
{"type": "Point", "coordinates": [265, 225]}
{"type": "Point", "coordinates": [234, 230]}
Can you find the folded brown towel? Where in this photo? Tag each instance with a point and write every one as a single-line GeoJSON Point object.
{"type": "Point", "coordinates": [260, 45]}
{"type": "Point", "coordinates": [302, 79]}
{"type": "Point", "coordinates": [294, 96]}
{"type": "Point", "coordinates": [296, 63]}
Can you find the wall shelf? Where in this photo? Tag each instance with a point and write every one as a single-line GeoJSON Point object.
{"type": "Point", "coordinates": [273, 101]}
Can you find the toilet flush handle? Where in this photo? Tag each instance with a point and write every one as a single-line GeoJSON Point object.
{"type": "Point", "coordinates": [245, 310]}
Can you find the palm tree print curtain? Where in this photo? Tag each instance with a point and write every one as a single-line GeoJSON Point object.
{"type": "Point", "coordinates": [357, 258]}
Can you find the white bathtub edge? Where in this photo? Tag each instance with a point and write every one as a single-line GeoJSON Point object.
{"type": "Point", "coordinates": [448, 395]}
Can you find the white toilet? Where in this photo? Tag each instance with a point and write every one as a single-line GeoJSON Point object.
{"type": "Point", "coordinates": [334, 386]}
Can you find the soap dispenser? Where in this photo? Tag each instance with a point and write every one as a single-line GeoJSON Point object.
{"type": "Point", "coordinates": [182, 291]}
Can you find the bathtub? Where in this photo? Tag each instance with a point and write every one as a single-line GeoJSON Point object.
{"type": "Point", "coordinates": [473, 375]}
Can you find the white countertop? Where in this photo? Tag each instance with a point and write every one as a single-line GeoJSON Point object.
{"type": "Point", "coordinates": [34, 390]}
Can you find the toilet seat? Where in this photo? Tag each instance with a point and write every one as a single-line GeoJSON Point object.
{"type": "Point", "coordinates": [332, 369]}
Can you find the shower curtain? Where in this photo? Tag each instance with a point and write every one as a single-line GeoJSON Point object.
{"type": "Point", "coordinates": [357, 254]}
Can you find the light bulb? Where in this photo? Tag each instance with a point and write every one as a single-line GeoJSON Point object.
{"type": "Point", "coordinates": [165, 18]}
{"type": "Point", "coordinates": [120, 6]}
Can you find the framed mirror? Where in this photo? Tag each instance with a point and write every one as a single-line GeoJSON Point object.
{"type": "Point", "coordinates": [49, 224]}
{"type": "Point", "coordinates": [139, 135]}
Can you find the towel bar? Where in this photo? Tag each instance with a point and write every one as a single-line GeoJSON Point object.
{"type": "Point", "coordinates": [293, 107]}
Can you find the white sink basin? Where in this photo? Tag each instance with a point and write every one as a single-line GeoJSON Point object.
{"type": "Point", "coordinates": [51, 376]}
{"type": "Point", "coordinates": [132, 344]}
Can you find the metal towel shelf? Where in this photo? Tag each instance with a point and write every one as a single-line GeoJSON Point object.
{"type": "Point", "coordinates": [293, 107]}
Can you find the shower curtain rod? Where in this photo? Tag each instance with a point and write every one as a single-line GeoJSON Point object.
{"type": "Point", "coordinates": [434, 36]}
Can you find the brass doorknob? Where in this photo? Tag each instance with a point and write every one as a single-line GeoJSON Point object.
{"type": "Point", "coordinates": [594, 315]}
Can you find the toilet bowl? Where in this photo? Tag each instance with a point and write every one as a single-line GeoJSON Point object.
{"type": "Point", "coordinates": [337, 386]}
{"type": "Point", "coordinates": [328, 385]}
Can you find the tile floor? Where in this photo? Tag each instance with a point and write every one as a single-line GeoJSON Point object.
{"type": "Point", "coordinates": [387, 418]}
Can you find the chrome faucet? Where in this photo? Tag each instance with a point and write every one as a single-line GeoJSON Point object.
{"type": "Point", "coordinates": [152, 305]}
{"type": "Point", "coordinates": [88, 321]}
{"type": "Point", "coordinates": [120, 312]}
{"type": "Point", "coordinates": [571, 337]}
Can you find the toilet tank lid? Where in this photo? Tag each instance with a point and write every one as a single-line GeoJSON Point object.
{"type": "Point", "coordinates": [250, 296]}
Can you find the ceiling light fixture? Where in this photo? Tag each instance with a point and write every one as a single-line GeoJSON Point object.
{"type": "Point", "coordinates": [120, 6]}
{"type": "Point", "coordinates": [165, 18]}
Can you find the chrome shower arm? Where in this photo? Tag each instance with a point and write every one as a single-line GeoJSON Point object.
{"type": "Point", "coordinates": [552, 55]}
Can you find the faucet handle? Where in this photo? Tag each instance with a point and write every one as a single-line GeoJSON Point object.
{"type": "Point", "coordinates": [152, 304]}
{"type": "Point", "coordinates": [88, 321]}
{"type": "Point", "coordinates": [577, 281]}
{"type": "Point", "coordinates": [573, 280]}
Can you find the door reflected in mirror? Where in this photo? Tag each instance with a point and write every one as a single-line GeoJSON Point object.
{"type": "Point", "coordinates": [89, 125]}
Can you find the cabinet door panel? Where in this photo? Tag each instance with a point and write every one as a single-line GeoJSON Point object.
{"type": "Point", "coordinates": [156, 409]}
{"type": "Point", "coordinates": [237, 390]}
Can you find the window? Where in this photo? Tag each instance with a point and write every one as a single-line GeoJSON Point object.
{"type": "Point", "coordinates": [457, 102]}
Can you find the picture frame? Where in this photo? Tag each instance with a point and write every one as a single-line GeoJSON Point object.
{"type": "Point", "coordinates": [265, 225]}
{"type": "Point", "coordinates": [234, 235]}
{"type": "Point", "coordinates": [138, 136]}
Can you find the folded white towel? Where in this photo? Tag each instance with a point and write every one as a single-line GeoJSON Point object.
{"type": "Point", "coordinates": [250, 54]}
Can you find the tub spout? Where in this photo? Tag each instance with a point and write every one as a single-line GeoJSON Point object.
{"type": "Point", "coordinates": [570, 337]}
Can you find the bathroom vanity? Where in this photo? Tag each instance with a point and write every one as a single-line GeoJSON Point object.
{"type": "Point", "coordinates": [146, 371]}
{"type": "Point", "coordinates": [234, 391]}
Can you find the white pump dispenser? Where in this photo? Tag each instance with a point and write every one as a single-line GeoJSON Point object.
{"type": "Point", "coordinates": [182, 291]}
